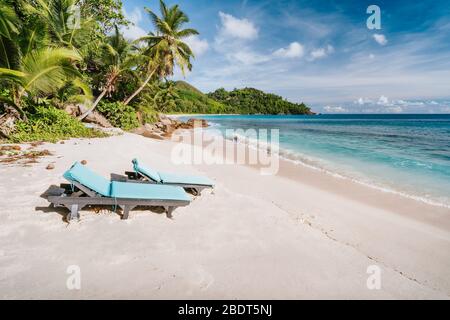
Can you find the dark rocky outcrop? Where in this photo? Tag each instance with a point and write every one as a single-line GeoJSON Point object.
{"type": "Point", "coordinates": [166, 126]}
{"type": "Point", "coordinates": [8, 122]}
{"type": "Point", "coordinates": [94, 117]}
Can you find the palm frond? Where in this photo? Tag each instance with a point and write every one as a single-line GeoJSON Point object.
{"type": "Point", "coordinates": [184, 47]}
{"type": "Point", "coordinates": [154, 18]}
{"type": "Point", "coordinates": [81, 92]}
{"type": "Point", "coordinates": [9, 53]}
{"type": "Point", "coordinates": [11, 74]}
{"type": "Point", "coordinates": [9, 22]}
{"type": "Point", "coordinates": [187, 33]}
{"type": "Point", "coordinates": [48, 69]}
{"type": "Point", "coordinates": [163, 8]}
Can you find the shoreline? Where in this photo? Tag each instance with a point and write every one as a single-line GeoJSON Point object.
{"type": "Point", "coordinates": [297, 158]}
{"type": "Point", "coordinates": [295, 235]}
{"type": "Point", "coordinates": [297, 162]}
{"type": "Point", "coordinates": [406, 205]}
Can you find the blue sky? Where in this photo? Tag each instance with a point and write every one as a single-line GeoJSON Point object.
{"type": "Point", "coordinates": [320, 52]}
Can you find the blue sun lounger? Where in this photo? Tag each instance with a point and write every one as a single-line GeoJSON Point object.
{"type": "Point", "coordinates": [143, 173]}
{"type": "Point", "coordinates": [88, 188]}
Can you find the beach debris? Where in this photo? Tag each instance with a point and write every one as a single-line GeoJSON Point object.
{"type": "Point", "coordinates": [83, 162]}
{"type": "Point", "coordinates": [36, 144]}
{"type": "Point", "coordinates": [50, 166]}
{"type": "Point", "coordinates": [10, 148]}
{"type": "Point", "coordinates": [24, 157]}
{"type": "Point", "coordinates": [62, 142]}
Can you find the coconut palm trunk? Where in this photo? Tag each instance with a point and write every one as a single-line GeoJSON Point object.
{"type": "Point", "coordinates": [116, 55]}
{"type": "Point", "coordinates": [165, 48]}
{"type": "Point", "coordinates": [99, 98]}
{"type": "Point", "coordinates": [128, 100]}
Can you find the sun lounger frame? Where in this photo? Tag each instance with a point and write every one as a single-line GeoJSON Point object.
{"type": "Point", "coordinates": [75, 201]}
{"type": "Point", "coordinates": [139, 177]}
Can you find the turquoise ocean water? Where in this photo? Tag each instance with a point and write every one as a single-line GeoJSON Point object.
{"type": "Point", "coordinates": [408, 154]}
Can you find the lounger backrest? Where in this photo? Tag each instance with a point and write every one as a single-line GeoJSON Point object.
{"type": "Point", "coordinates": [148, 172]}
{"type": "Point", "coordinates": [89, 178]}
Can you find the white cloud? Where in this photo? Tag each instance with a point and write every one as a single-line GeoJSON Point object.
{"type": "Point", "coordinates": [318, 53]}
{"type": "Point", "coordinates": [237, 28]}
{"type": "Point", "coordinates": [247, 57]}
{"type": "Point", "coordinates": [408, 103]}
{"type": "Point", "coordinates": [380, 38]}
{"type": "Point", "coordinates": [294, 50]}
{"type": "Point", "coordinates": [134, 31]}
{"type": "Point", "coordinates": [408, 72]}
{"type": "Point", "coordinates": [233, 43]}
{"type": "Point", "coordinates": [321, 52]}
{"type": "Point", "coordinates": [198, 46]}
{"type": "Point", "coordinates": [383, 101]}
{"type": "Point", "coordinates": [363, 101]}
{"type": "Point", "coordinates": [332, 109]}
{"type": "Point", "coordinates": [389, 106]}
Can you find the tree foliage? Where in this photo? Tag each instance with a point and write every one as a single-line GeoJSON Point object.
{"type": "Point", "coordinates": [164, 49]}
{"type": "Point", "coordinates": [55, 53]}
{"type": "Point", "coordinates": [253, 101]}
{"type": "Point", "coordinates": [51, 124]}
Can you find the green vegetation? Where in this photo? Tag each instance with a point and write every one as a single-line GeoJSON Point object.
{"type": "Point", "coordinates": [57, 54]}
{"type": "Point", "coordinates": [119, 114]}
{"type": "Point", "coordinates": [239, 101]}
{"type": "Point", "coordinates": [253, 101]}
{"type": "Point", "coordinates": [165, 49]}
{"type": "Point", "coordinates": [192, 100]}
{"type": "Point", "coordinates": [51, 124]}
{"type": "Point", "coordinates": [147, 114]}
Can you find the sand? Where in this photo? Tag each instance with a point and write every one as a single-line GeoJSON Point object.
{"type": "Point", "coordinates": [298, 235]}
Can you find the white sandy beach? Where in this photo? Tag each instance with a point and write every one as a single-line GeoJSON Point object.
{"type": "Point", "coordinates": [298, 235]}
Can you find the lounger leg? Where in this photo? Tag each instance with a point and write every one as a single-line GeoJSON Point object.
{"type": "Point", "coordinates": [169, 211]}
{"type": "Point", "coordinates": [126, 211]}
{"type": "Point", "coordinates": [74, 213]}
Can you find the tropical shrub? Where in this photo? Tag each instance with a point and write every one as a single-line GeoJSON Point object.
{"type": "Point", "coordinates": [119, 114]}
{"type": "Point", "coordinates": [51, 124]}
{"type": "Point", "coordinates": [147, 114]}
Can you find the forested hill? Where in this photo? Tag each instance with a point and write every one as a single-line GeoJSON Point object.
{"type": "Point", "coordinates": [239, 101]}
{"type": "Point", "coordinates": [191, 100]}
{"type": "Point", "coordinates": [253, 101]}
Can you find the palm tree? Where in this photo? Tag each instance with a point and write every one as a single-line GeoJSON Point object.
{"type": "Point", "coordinates": [9, 29]}
{"type": "Point", "coordinates": [40, 57]}
{"type": "Point", "coordinates": [165, 96]}
{"type": "Point", "coordinates": [41, 72]}
{"type": "Point", "coordinates": [118, 59]}
{"type": "Point", "coordinates": [64, 26]}
{"type": "Point", "coordinates": [165, 49]}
